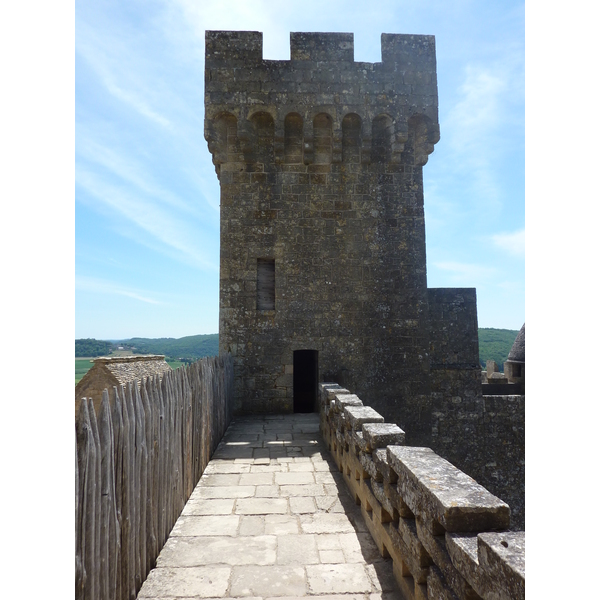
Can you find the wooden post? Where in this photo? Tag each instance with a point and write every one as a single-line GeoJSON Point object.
{"type": "Point", "coordinates": [109, 539]}
{"type": "Point", "coordinates": [151, 545]}
{"type": "Point", "coordinates": [141, 465]}
{"type": "Point", "coordinates": [95, 573]}
{"type": "Point", "coordinates": [117, 422]}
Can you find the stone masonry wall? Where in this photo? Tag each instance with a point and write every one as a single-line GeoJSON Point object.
{"type": "Point", "coordinates": [482, 435]}
{"type": "Point", "coordinates": [320, 164]}
{"type": "Point", "coordinates": [447, 535]}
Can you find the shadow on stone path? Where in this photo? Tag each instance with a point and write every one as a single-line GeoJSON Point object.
{"type": "Point", "coordinates": [271, 517]}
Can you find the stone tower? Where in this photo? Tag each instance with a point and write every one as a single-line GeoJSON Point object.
{"type": "Point", "coordinates": [323, 270]}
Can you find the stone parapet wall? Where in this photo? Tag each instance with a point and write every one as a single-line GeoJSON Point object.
{"type": "Point", "coordinates": [485, 437]}
{"type": "Point", "coordinates": [447, 535]}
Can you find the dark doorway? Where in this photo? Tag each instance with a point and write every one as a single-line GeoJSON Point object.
{"type": "Point", "coordinates": [306, 375]}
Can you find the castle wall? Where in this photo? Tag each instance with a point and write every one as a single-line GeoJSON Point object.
{"type": "Point", "coordinates": [484, 436]}
{"type": "Point", "coordinates": [320, 163]}
{"type": "Point", "coordinates": [447, 535]}
{"type": "Point", "coordinates": [323, 243]}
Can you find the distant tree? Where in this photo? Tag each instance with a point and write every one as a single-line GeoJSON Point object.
{"type": "Point", "coordinates": [92, 347]}
{"type": "Point", "coordinates": [495, 344]}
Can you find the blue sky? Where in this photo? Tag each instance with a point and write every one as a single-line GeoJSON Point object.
{"type": "Point", "coordinates": [147, 197]}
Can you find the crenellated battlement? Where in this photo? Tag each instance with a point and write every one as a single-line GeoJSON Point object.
{"type": "Point", "coordinates": [372, 106]}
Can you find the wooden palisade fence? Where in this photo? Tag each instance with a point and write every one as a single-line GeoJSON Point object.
{"type": "Point", "coordinates": [137, 463]}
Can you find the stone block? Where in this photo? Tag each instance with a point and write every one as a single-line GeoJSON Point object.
{"type": "Point", "coordinates": [261, 506]}
{"type": "Point", "coordinates": [268, 581]}
{"type": "Point", "coordinates": [200, 582]}
{"type": "Point", "coordinates": [380, 435]}
{"type": "Point", "coordinates": [218, 550]}
{"type": "Point", "coordinates": [297, 550]}
{"type": "Point", "coordinates": [432, 486]}
{"type": "Point", "coordinates": [356, 416]}
{"type": "Point", "coordinates": [326, 523]}
{"type": "Point", "coordinates": [205, 525]}
{"type": "Point", "coordinates": [201, 506]}
{"type": "Point", "coordinates": [437, 588]}
{"type": "Point", "coordinates": [338, 579]}
{"type": "Point", "coordinates": [435, 545]}
{"type": "Point", "coordinates": [340, 401]}
{"type": "Point", "coordinates": [502, 556]}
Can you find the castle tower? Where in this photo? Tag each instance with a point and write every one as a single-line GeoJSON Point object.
{"type": "Point", "coordinates": [323, 270]}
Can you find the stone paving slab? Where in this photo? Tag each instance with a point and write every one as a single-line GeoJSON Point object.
{"type": "Point", "coordinates": [271, 519]}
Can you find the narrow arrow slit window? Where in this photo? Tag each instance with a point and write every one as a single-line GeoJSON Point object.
{"type": "Point", "coordinates": [265, 284]}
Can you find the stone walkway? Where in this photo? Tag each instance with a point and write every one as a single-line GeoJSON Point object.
{"type": "Point", "coordinates": [271, 517]}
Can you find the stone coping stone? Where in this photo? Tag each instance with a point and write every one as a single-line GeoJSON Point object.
{"type": "Point", "coordinates": [356, 416]}
{"type": "Point", "coordinates": [328, 390]}
{"type": "Point", "coordinates": [502, 556]}
{"type": "Point", "coordinates": [127, 359]}
{"type": "Point", "coordinates": [380, 435]}
{"type": "Point", "coordinates": [342, 400]}
{"type": "Point", "coordinates": [432, 486]}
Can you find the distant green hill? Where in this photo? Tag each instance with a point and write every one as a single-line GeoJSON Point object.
{"type": "Point", "coordinates": [91, 347]}
{"type": "Point", "coordinates": [190, 347]}
{"type": "Point", "coordinates": [495, 344]}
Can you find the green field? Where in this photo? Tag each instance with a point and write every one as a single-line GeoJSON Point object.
{"type": "Point", "coordinates": [82, 366]}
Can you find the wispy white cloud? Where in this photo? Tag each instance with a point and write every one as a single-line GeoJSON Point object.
{"type": "Point", "coordinates": [119, 78]}
{"type": "Point", "coordinates": [165, 228]}
{"type": "Point", "coordinates": [126, 166]}
{"type": "Point", "coordinates": [475, 127]}
{"type": "Point", "coordinates": [101, 286]}
{"type": "Point", "coordinates": [513, 243]}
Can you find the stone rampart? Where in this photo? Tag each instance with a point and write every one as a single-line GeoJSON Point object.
{"type": "Point", "coordinates": [447, 535]}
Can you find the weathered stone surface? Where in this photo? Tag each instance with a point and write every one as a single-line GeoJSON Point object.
{"type": "Point", "coordinates": [462, 549]}
{"type": "Point", "coordinates": [340, 578]}
{"type": "Point", "coordinates": [502, 556]}
{"type": "Point", "coordinates": [432, 486]}
{"type": "Point", "coordinates": [435, 545]}
{"type": "Point", "coordinates": [340, 401]}
{"type": "Point", "coordinates": [214, 550]}
{"type": "Point", "coordinates": [261, 506]}
{"type": "Point", "coordinates": [206, 525]}
{"type": "Point", "coordinates": [268, 581]}
{"type": "Point", "coordinates": [325, 523]}
{"type": "Point", "coordinates": [202, 506]}
{"type": "Point", "coordinates": [380, 435]}
{"type": "Point", "coordinates": [197, 582]}
{"type": "Point", "coordinates": [437, 587]}
{"type": "Point", "coordinates": [358, 415]}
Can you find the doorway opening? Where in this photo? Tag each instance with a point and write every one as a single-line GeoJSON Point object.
{"type": "Point", "coordinates": [306, 375]}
